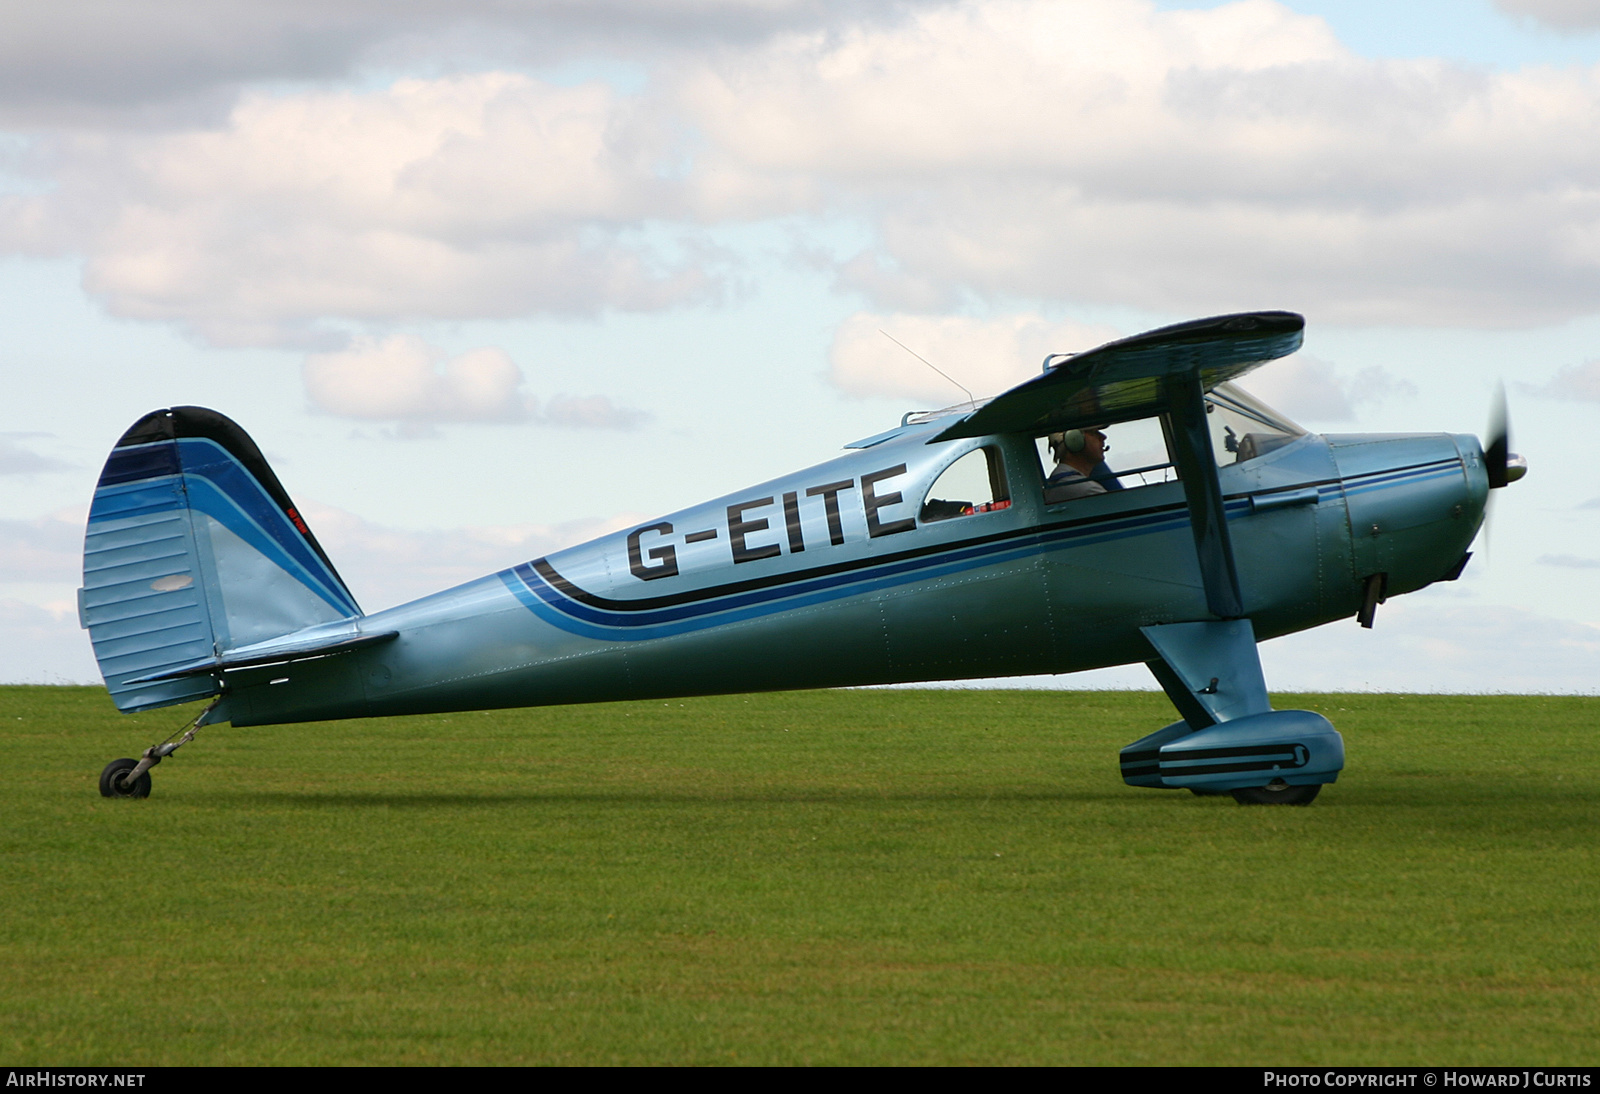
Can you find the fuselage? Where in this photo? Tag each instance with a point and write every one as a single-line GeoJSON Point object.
{"type": "Point", "coordinates": [840, 575]}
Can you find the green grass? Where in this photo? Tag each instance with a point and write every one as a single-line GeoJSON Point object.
{"type": "Point", "coordinates": [827, 877]}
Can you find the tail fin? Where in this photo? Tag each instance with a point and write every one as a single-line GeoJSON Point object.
{"type": "Point", "coordinates": [194, 549]}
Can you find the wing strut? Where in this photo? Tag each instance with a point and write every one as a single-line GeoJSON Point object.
{"type": "Point", "coordinates": [1197, 468]}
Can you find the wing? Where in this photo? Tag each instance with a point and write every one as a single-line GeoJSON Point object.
{"type": "Point", "coordinates": [1127, 378]}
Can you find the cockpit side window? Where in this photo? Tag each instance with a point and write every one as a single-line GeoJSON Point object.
{"type": "Point", "coordinates": [1103, 459]}
{"type": "Point", "coordinates": [976, 483]}
{"type": "Point", "coordinates": [1133, 454]}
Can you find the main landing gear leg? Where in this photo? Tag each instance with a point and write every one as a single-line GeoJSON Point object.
{"type": "Point", "coordinates": [129, 778]}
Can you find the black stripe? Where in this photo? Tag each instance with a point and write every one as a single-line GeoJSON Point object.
{"type": "Point", "coordinates": [1218, 769]}
{"type": "Point", "coordinates": [583, 596]}
{"type": "Point", "coordinates": [1351, 480]}
{"type": "Point", "coordinates": [1239, 750]}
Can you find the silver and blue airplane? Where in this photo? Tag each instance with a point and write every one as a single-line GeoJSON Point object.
{"type": "Point", "coordinates": [949, 547]}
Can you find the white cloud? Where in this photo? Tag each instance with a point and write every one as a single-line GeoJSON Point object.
{"type": "Point", "coordinates": [1573, 562]}
{"type": "Point", "coordinates": [490, 195]}
{"type": "Point", "coordinates": [1566, 15]}
{"type": "Point", "coordinates": [153, 62]}
{"type": "Point", "coordinates": [47, 549]}
{"type": "Point", "coordinates": [1308, 389]}
{"type": "Point", "coordinates": [1213, 160]}
{"type": "Point", "coordinates": [18, 459]}
{"type": "Point", "coordinates": [1580, 382]}
{"type": "Point", "coordinates": [591, 412]}
{"type": "Point", "coordinates": [985, 356]}
{"type": "Point", "coordinates": [403, 379]}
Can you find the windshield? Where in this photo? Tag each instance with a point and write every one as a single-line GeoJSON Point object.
{"type": "Point", "coordinates": [1243, 427]}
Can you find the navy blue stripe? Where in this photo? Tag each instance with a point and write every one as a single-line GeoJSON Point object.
{"type": "Point", "coordinates": [1420, 476]}
{"type": "Point", "coordinates": [207, 461]}
{"type": "Point", "coordinates": [559, 614]}
{"type": "Point", "coordinates": [240, 486]}
{"type": "Point", "coordinates": [1395, 474]}
{"type": "Point", "coordinates": [797, 586]}
{"type": "Point", "coordinates": [147, 461]}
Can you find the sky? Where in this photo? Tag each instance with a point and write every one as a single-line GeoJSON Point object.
{"type": "Point", "coordinates": [485, 279]}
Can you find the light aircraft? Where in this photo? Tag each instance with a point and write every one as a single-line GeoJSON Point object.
{"type": "Point", "coordinates": [940, 549]}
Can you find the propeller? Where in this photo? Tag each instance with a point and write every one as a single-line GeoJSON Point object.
{"type": "Point", "coordinates": [1503, 465]}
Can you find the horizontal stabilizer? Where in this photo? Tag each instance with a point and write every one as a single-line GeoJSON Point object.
{"type": "Point", "coordinates": [1126, 379]}
{"type": "Point", "coordinates": [272, 653]}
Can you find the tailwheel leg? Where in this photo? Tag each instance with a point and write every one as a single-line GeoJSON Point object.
{"type": "Point", "coordinates": [129, 778]}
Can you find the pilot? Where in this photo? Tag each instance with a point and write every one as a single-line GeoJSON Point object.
{"type": "Point", "coordinates": [1080, 464]}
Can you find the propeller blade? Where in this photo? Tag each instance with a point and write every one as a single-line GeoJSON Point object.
{"type": "Point", "coordinates": [1497, 450]}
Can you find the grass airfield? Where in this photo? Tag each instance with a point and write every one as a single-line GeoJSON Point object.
{"type": "Point", "coordinates": [864, 877]}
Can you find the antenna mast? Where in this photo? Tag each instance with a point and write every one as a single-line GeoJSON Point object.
{"type": "Point", "coordinates": [927, 362]}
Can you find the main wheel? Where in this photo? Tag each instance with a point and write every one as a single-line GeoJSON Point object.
{"type": "Point", "coordinates": [111, 780]}
{"type": "Point", "coordinates": [1278, 793]}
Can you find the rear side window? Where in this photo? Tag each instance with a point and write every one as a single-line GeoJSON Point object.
{"type": "Point", "coordinates": [976, 483]}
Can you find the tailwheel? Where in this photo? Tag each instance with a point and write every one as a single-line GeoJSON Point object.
{"type": "Point", "coordinates": [114, 782]}
{"type": "Point", "coordinates": [1277, 792]}
{"type": "Point", "coordinates": [127, 778]}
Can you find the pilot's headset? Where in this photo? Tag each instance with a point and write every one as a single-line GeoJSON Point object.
{"type": "Point", "coordinates": [1071, 441]}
